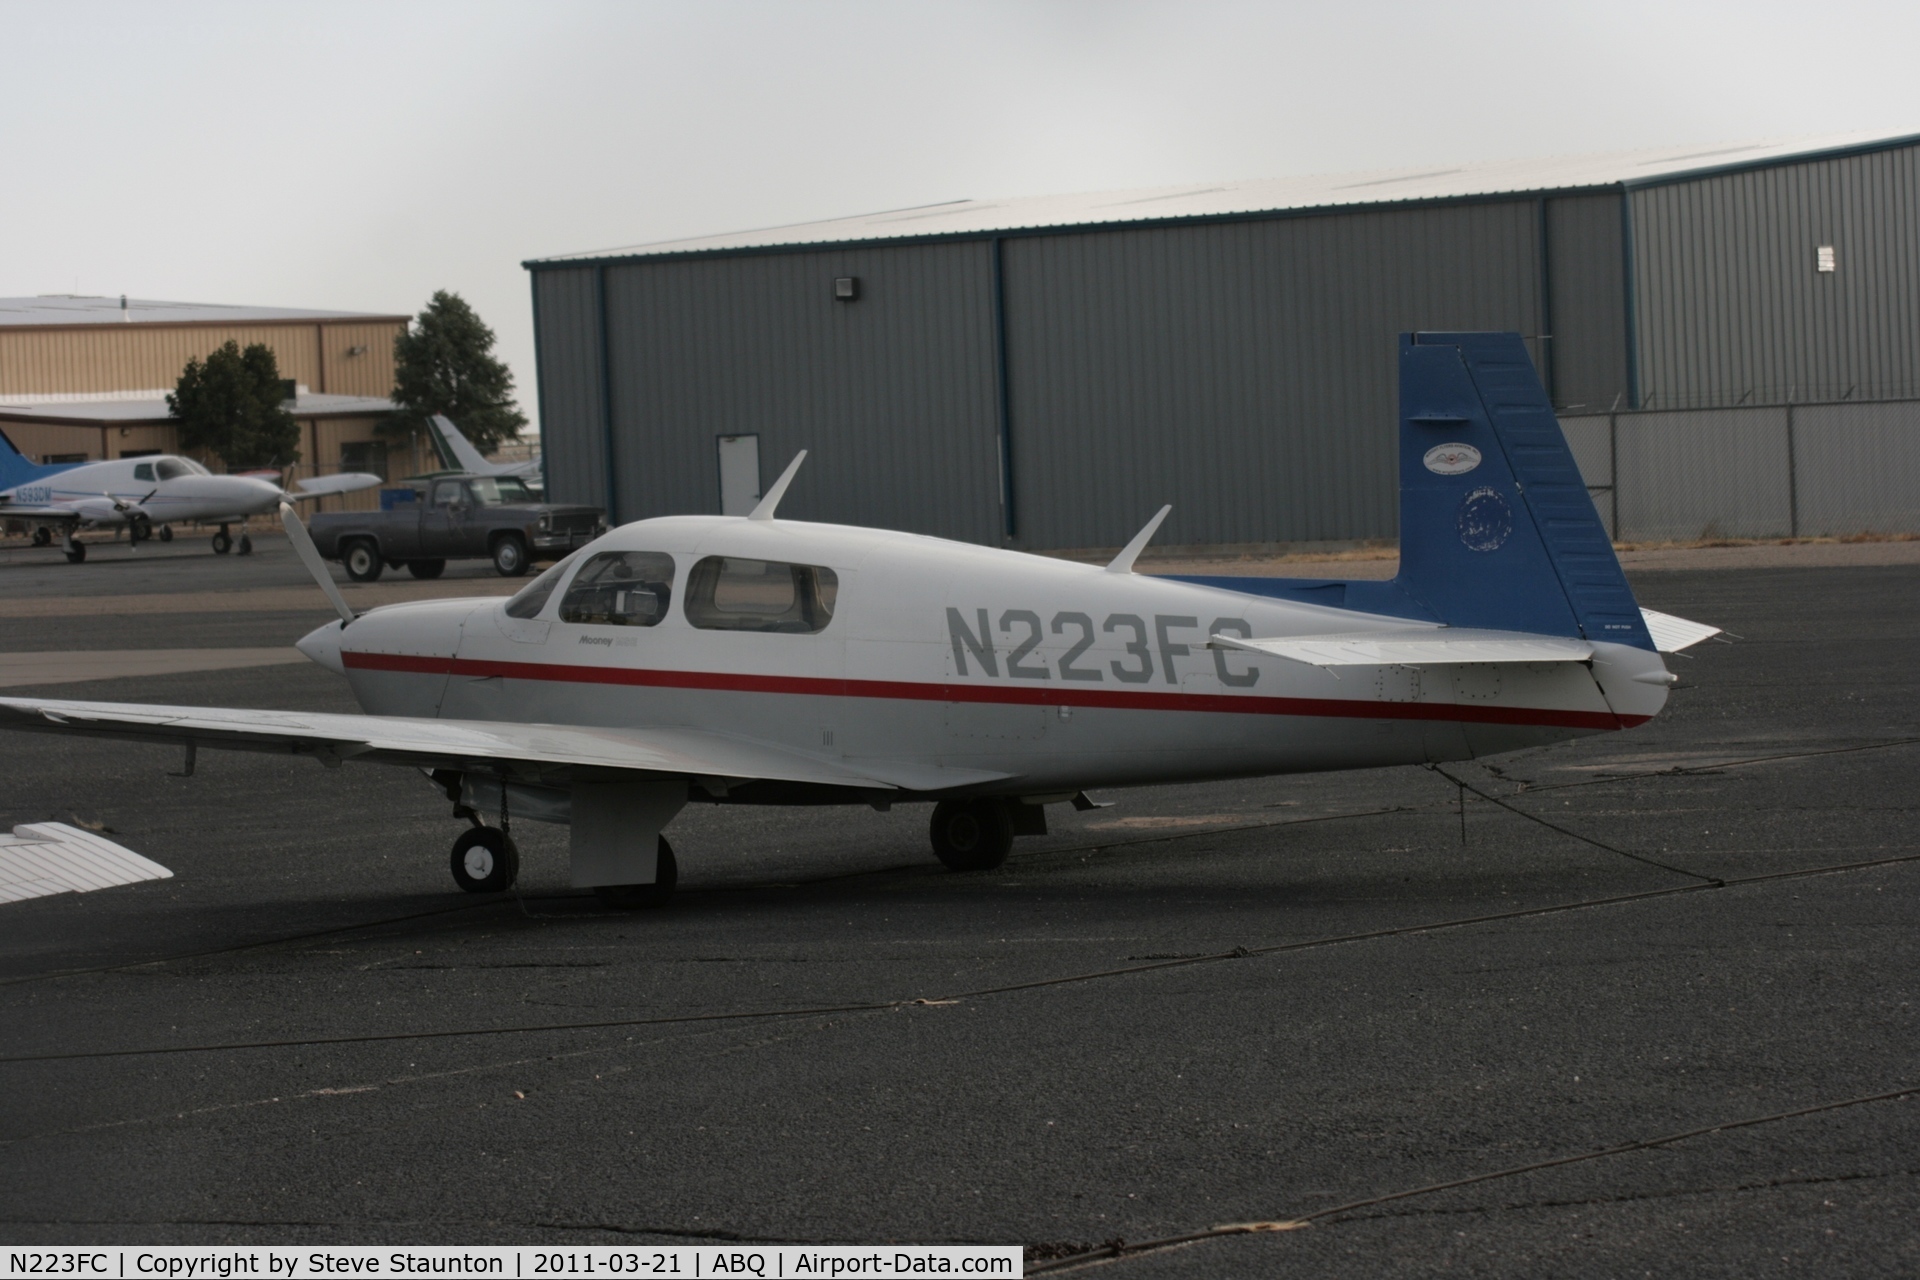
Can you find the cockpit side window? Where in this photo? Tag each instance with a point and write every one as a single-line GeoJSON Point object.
{"type": "Point", "coordinates": [529, 600]}
{"type": "Point", "coordinates": [620, 589]}
{"type": "Point", "coordinates": [726, 593]}
{"type": "Point", "coordinates": [143, 471]}
{"type": "Point", "coordinates": [170, 469]}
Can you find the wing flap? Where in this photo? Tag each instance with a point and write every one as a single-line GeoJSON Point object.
{"type": "Point", "coordinates": [1671, 634]}
{"type": "Point", "coordinates": [438, 743]}
{"type": "Point", "coordinates": [1414, 647]}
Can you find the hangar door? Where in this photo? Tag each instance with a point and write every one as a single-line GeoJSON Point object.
{"type": "Point", "coordinates": [739, 474]}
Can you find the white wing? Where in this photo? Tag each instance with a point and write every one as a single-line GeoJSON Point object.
{"type": "Point", "coordinates": [547, 752]}
{"type": "Point", "coordinates": [1415, 646]}
{"type": "Point", "coordinates": [43, 858]}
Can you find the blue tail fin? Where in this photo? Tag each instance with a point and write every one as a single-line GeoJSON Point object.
{"type": "Point", "coordinates": [1496, 527]}
{"type": "Point", "coordinates": [16, 470]}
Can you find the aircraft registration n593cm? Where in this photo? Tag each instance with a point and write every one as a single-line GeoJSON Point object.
{"type": "Point", "coordinates": [763, 661]}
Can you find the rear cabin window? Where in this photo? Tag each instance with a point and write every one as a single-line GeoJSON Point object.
{"type": "Point", "coordinates": [725, 593]}
{"type": "Point", "coordinates": [620, 589]}
{"type": "Point", "coordinates": [529, 600]}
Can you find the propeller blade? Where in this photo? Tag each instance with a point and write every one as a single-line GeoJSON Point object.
{"type": "Point", "coordinates": [310, 556]}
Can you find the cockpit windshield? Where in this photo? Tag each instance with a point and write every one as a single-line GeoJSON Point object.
{"type": "Point", "coordinates": [171, 468]}
{"type": "Point", "coordinates": [492, 491]}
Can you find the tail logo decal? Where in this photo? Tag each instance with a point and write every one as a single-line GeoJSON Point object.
{"type": "Point", "coordinates": [1486, 521]}
{"type": "Point", "coordinates": [1452, 459]}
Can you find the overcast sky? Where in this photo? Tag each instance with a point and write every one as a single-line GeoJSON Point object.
{"type": "Point", "coordinates": [360, 155]}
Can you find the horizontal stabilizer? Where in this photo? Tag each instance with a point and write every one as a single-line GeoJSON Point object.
{"type": "Point", "coordinates": [1415, 647]}
{"type": "Point", "coordinates": [42, 858]}
{"type": "Point", "coordinates": [1671, 634]}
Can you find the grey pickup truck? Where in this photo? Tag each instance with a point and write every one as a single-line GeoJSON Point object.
{"type": "Point", "coordinates": [454, 517]}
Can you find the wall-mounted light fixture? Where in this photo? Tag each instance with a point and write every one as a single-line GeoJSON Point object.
{"type": "Point", "coordinates": [846, 289]}
{"type": "Point", "coordinates": [1823, 258]}
{"type": "Point", "coordinates": [356, 351]}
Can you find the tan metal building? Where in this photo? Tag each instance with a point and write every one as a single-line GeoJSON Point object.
{"type": "Point", "coordinates": [86, 378]}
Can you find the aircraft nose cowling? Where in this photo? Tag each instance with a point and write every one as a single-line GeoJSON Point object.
{"type": "Point", "coordinates": [322, 645]}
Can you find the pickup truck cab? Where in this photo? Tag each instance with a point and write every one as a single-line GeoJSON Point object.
{"type": "Point", "coordinates": [455, 517]}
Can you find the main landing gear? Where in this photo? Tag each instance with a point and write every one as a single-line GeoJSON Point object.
{"type": "Point", "coordinates": [223, 542]}
{"type": "Point", "coordinates": [485, 860]}
{"type": "Point", "coordinates": [972, 835]}
{"type": "Point", "coordinates": [76, 550]}
{"type": "Point", "coordinates": [638, 897]}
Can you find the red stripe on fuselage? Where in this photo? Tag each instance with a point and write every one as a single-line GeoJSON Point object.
{"type": "Point", "coordinates": [1051, 696]}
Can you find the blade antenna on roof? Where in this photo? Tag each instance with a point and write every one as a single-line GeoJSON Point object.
{"type": "Point", "coordinates": [765, 510]}
{"type": "Point", "coordinates": [1123, 563]}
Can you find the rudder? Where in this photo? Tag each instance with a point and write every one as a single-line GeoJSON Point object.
{"type": "Point", "coordinates": [1496, 527]}
{"type": "Point", "coordinates": [16, 470]}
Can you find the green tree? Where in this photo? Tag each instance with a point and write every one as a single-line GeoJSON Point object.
{"type": "Point", "coordinates": [444, 364]}
{"type": "Point", "coordinates": [232, 405]}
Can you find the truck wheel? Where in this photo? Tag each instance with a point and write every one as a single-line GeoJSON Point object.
{"type": "Point", "coordinates": [510, 556]}
{"type": "Point", "coordinates": [363, 561]}
{"type": "Point", "coordinates": [426, 568]}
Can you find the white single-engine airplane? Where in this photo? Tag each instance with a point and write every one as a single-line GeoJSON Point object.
{"type": "Point", "coordinates": [751, 660]}
{"type": "Point", "coordinates": [144, 494]}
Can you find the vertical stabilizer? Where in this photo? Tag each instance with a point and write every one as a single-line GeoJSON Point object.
{"type": "Point", "coordinates": [1496, 527]}
{"type": "Point", "coordinates": [16, 470]}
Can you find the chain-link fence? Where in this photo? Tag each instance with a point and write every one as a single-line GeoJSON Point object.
{"type": "Point", "coordinates": [1798, 470]}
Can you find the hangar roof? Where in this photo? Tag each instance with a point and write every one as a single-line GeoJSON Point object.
{"type": "Point", "coordinates": [1224, 200]}
{"type": "Point", "coordinates": [122, 410]}
{"type": "Point", "coordinates": [68, 310]}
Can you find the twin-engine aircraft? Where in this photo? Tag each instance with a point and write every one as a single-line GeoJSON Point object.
{"type": "Point", "coordinates": [145, 494]}
{"type": "Point", "coordinates": [752, 660]}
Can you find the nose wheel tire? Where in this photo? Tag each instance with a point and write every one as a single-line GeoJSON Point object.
{"type": "Point", "coordinates": [166, 533]}
{"type": "Point", "coordinates": [76, 552]}
{"type": "Point", "coordinates": [639, 897]}
{"type": "Point", "coordinates": [246, 545]}
{"type": "Point", "coordinates": [485, 861]}
{"type": "Point", "coordinates": [363, 562]}
{"type": "Point", "coordinates": [971, 835]}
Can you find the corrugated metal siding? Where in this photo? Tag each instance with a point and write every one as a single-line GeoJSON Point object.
{"type": "Point", "coordinates": [1731, 307]}
{"type": "Point", "coordinates": [1588, 302]}
{"type": "Point", "coordinates": [368, 373]}
{"type": "Point", "coordinates": [893, 395]}
{"type": "Point", "coordinates": [567, 343]}
{"type": "Point", "coordinates": [1244, 372]}
{"type": "Point", "coordinates": [135, 357]}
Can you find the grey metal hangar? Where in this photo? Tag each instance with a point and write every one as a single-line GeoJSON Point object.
{"type": "Point", "coordinates": [1039, 373]}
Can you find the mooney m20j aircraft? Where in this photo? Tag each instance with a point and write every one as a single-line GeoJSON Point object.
{"type": "Point", "coordinates": [751, 660]}
{"type": "Point", "coordinates": [144, 494]}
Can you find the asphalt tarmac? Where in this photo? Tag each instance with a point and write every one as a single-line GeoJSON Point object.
{"type": "Point", "coordinates": [1233, 1003]}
